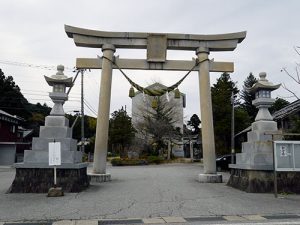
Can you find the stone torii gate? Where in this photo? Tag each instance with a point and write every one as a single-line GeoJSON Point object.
{"type": "Point", "coordinates": [157, 45]}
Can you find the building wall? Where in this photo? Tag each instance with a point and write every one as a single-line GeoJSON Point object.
{"type": "Point", "coordinates": [8, 132]}
{"type": "Point", "coordinates": [7, 154]}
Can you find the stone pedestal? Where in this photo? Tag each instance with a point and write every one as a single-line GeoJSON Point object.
{"type": "Point", "coordinates": [40, 180]}
{"type": "Point", "coordinates": [261, 181]}
{"type": "Point", "coordinates": [253, 171]}
{"type": "Point", "coordinates": [257, 152]}
{"type": "Point", "coordinates": [210, 178]}
{"type": "Point", "coordinates": [99, 178]}
{"type": "Point", "coordinates": [35, 175]}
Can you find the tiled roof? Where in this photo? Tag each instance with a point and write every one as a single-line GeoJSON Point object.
{"type": "Point", "coordinates": [288, 110]}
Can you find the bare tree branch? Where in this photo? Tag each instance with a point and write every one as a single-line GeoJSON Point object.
{"type": "Point", "coordinates": [293, 93]}
{"type": "Point", "coordinates": [297, 72]}
{"type": "Point", "coordinates": [291, 76]}
{"type": "Point", "coordinates": [280, 96]}
{"type": "Point", "coordinates": [295, 48]}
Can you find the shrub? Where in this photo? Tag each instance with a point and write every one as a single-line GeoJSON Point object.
{"type": "Point", "coordinates": [116, 162]}
{"type": "Point", "coordinates": [128, 162]}
{"type": "Point", "coordinates": [154, 159]}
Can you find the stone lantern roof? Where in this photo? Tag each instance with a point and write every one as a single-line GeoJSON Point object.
{"type": "Point", "coordinates": [59, 78]}
{"type": "Point", "coordinates": [263, 83]}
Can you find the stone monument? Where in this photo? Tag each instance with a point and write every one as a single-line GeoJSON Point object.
{"type": "Point", "coordinates": [35, 175]}
{"type": "Point", "coordinates": [253, 171]}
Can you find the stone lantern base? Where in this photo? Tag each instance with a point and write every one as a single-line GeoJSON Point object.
{"type": "Point", "coordinates": [39, 179]}
{"type": "Point", "coordinates": [262, 181]}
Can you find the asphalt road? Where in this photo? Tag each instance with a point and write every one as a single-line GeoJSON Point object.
{"type": "Point", "coordinates": [169, 190]}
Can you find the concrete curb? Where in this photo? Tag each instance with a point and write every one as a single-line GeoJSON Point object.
{"type": "Point", "coordinates": [166, 220]}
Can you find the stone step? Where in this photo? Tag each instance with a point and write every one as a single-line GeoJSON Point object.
{"type": "Point", "coordinates": [258, 136]}
{"type": "Point", "coordinates": [257, 147]}
{"type": "Point", "coordinates": [56, 121]}
{"type": "Point", "coordinates": [33, 156]}
{"type": "Point", "coordinates": [254, 158]}
{"type": "Point", "coordinates": [67, 144]}
{"type": "Point", "coordinates": [55, 132]}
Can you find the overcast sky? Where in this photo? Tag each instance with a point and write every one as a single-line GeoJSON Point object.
{"type": "Point", "coordinates": [32, 32]}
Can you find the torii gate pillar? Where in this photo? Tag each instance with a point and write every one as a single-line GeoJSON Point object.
{"type": "Point", "coordinates": [208, 139]}
{"type": "Point", "coordinates": [99, 165]}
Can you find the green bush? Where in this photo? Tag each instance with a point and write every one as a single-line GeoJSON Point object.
{"type": "Point", "coordinates": [137, 162]}
{"type": "Point", "coordinates": [154, 159]}
{"type": "Point", "coordinates": [116, 162]}
{"type": "Point", "coordinates": [128, 162]}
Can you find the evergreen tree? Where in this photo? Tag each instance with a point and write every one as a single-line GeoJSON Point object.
{"type": "Point", "coordinates": [11, 98]}
{"type": "Point", "coordinates": [121, 131]}
{"type": "Point", "coordinates": [278, 104]}
{"type": "Point", "coordinates": [222, 112]}
{"type": "Point", "coordinates": [248, 97]}
{"type": "Point", "coordinates": [194, 122]}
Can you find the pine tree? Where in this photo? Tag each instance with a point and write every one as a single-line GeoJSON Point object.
{"type": "Point", "coordinates": [121, 131]}
{"type": "Point", "coordinates": [194, 122]}
{"type": "Point", "coordinates": [221, 103]}
{"type": "Point", "coordinates": [248, 97]}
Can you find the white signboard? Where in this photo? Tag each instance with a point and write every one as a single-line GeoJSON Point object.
{"type": "Point", "coordinates": [54, 154]}
{"type": "Point", "coordinates": [287, 155]}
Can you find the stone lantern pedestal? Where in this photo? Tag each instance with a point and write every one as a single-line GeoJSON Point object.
{"type": "Point", "coordinates": [35, 175]}
{"type": "Point", "coordinates": [253, 171]}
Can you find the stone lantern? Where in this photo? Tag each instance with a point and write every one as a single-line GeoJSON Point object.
{"type": "Point", "coordinates": [35, 175]}
{"type": "Point", "coordinates": [59, 82]}
{"type": "Point", "coordinates": [253, 170]}
{"type": "Point", "coordinates": [263, 100]}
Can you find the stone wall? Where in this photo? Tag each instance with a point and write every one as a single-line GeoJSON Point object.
{"type": "Point", "coordinates": [39, 180]}
{"type": "Point", "coordinates": [255, 181]}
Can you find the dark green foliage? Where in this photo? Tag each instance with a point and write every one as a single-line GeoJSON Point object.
{"type": "Point", "coordinates": [128, 162]}
{"type": "Point", "coordinates": [89, 130]}
{"type": "Point", "coordinates": [137, 162]}
{"type": "Point", "coordinates": [121, 131]}
{"type": "Point", "coordinates": [154, 159]}
{"type": "Point", "coordinates": [13, 102]}
{"type": "Point", "coordinates": [248, 97]}
{"type": "Point", "coordinates": [222, 111]}
{"type": "Point", "coordinates": [11, 98]}
{"type": "Point", "coordinates": [194, 122]}
{"type": "Point", "coordinates": [221, 104]}
{"type": "Point", "coordinates": [278, 104]}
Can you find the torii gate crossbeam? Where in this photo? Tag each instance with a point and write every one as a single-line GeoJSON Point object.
{"type": "Point", "coordinates": [157, 45]}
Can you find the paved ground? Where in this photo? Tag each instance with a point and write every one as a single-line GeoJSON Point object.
{"type": "Point", "coordinates": [146, 192]}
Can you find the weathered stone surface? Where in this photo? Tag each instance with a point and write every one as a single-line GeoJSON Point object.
{"type": "Point", "coordinates": [33, 156]}
{"type": "Point", "coordinates": [37, 180]}
{"type": "Point", "coordinates": [255, 181]}
{"type": "Point", "coordinates": [99, 178]}
{"type": "Point", "coordinates": [210, 178]}
{"type": "Point", "coordinates": [67, 144]}
{"type": "Point", "coordinates": [60, 121]}
{"type": "Point", "coordinates": [55, 192]}
{"type": "Point", "coordinates": [55, 132]}
{"type": "Point", "coordinates": [96, 39]}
